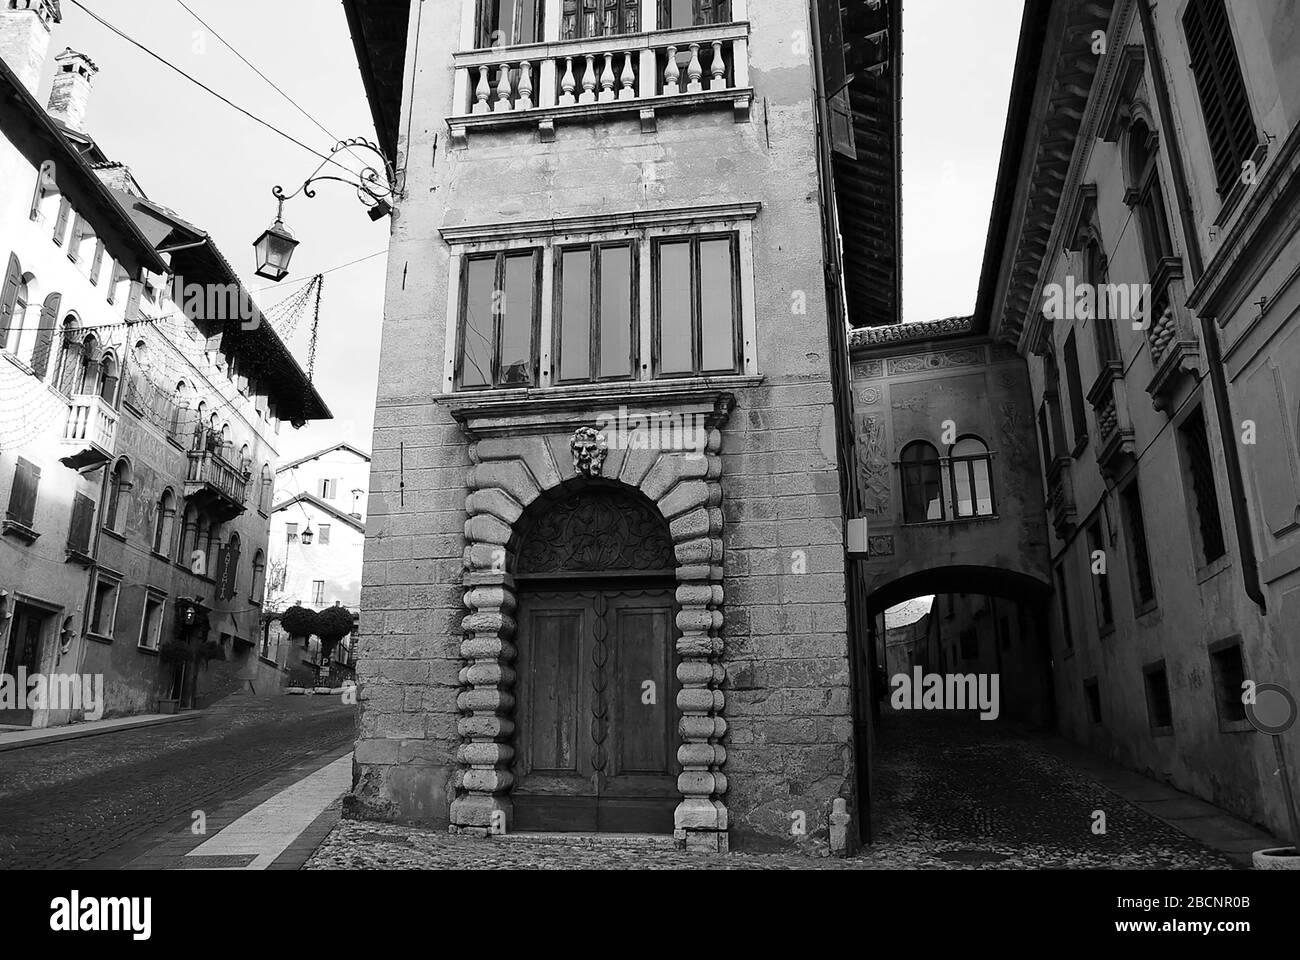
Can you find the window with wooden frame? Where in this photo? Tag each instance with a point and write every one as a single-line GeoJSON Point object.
{"type": "Point", "coordinates": [1095, 269]}
{"type": "Point", "coordinates": [1144, 584]}
{"type": "Point", "coordinates": [1147, 196]}
{"type": "Point", "coordinates": [693, 13]}
{"type": "Point", "coordinates": [81, 527]}
{"type": "Point", "coordinates": [1229, 122]}
{"type": "Point", "coordinates": [599, 18]}
{"type": "Point", "coordinates": [696, 305]}
{"type": "Point", "coordinates": [61, 222]}
{"type": "Point", "coordinates": [499, 320]}
{"type": "Point", "coordinates": [922, 483]}
{"type": "Point", "coordinates": [508, 22]}
{"type": "Point", "coordinates": [1100, 580]}
{"type": "Point", "coordinates": [971, 467]}
{"type": "Point", "coordinates": [1074, 386]}
{"type": "Point", "coordinates": [596, 331]}
{"type": "Point", "coordinates": [1200, 469]}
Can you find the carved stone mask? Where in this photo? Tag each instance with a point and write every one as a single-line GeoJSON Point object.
{"type": "Point", "coordinates": [589, 451]}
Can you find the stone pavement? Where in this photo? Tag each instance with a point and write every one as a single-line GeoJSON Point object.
{"type": "Point", "coordinates": [15, 738]}
{"type": "Point", "coordinates": [952, 793]}
{"type": "Point", "coordinates": [108, 800]}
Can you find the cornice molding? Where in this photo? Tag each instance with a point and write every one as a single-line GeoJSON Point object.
{"type": "Point", "coordinates": [600, 223]}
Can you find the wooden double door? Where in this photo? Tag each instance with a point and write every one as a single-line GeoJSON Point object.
{"type": "Point", "coordinates": [596, 710]}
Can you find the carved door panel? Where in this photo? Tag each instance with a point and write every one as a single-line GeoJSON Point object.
{"type": "Point", "coordinates": [595, 711]}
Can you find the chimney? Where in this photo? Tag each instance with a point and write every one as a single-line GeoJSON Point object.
{"type": "Point", "coordinates": [25, 37]}
{"type": "Point", "coordinates": [70, 94]}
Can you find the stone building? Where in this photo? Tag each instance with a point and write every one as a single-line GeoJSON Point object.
{"type": "Point", "coordinates": [605, 578]}
{"type": "Point", "coordinates": [1143, 256]}
{"type": "Point", "coordinates": [143, 393]}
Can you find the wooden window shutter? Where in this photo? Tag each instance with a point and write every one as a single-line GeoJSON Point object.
{"type": "Point", "coordinates": [45, 335]}
{"type": "Point", "coordinates": [97, 263]}
{"type": "Point", "coordinates": [61, 224]}
{"type": "Point", "coordinates": [1229, 123]}
{"type": "Point", "coordinates": [9, 296]}
{"type": "Point", "coordinates": [22, 498]}
{"type": "Point", "coordinates": [83, 516]}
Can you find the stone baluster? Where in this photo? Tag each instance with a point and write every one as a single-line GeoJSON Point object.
{"type": "Point", "coordinates": [628, 79]}
{"type": "Point", "coordinates": [672, 74]}
{"type": "Point", "coordinates": [588, 94]}
{"type": "Point", "coordinates": [694, 70]}
{"type": "Point", "coordinates": [567, 84]}
{"type": "Point", "coordinates": [482, 91]}
{"type": "Point", "coordinates": [525, 101]}
{"type": "Point", "coordinates": [504, 91]}
{"type": "Point", "coordinates": [718, 68]}
{"type": "Point", "coordinates": [607, 79]}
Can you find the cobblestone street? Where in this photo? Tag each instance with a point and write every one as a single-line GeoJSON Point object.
{"type": "Point", "coordinates": [952, 794]}
{"type": "Point", "coordinates": [79, 802]}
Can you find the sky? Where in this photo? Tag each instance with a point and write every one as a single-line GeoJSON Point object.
{"type": "Point", "coordinates": [216, 168]}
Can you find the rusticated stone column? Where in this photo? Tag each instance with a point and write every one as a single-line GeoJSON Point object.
{"type": "Point", "coordinates": [486, 705]}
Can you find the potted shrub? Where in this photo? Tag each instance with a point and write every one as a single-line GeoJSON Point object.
{"type": "Point", "coordinates": [332, 625]}
{"type": "Point", "coordinates": [301, 679]}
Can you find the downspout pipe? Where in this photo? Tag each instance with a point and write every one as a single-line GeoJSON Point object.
{"type": "Point", "coordinates": [1209, 331]}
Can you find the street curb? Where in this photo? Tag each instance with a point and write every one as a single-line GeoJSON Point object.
{"type": "Point", "coordinates": [72, 732]}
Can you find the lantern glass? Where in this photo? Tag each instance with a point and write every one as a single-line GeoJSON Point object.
{"type": "Point", "coordinates": [274, 250]}
{"type": "Point", "coordinates": [308, 536]}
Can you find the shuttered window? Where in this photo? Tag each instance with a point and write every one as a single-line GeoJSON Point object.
{"type": "Point", "coordinates": [1200, 467]}
{"type": "Point", "coordinates": [61, 224]}
{"type": "Point", "coordinates": [83, 518]}
{"type": "Point", "coordinates": [22, 497]}
{"type": "Point", "coordinates": [1229, 123]}
{"type": "Point", "coordinates": [1074, 384]}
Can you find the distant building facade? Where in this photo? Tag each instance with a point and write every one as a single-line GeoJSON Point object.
{"type": "Point", "coordinates": [139, 422]}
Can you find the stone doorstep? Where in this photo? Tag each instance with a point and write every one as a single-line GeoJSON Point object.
{"type": "Point", "coordinates": [594, 841]}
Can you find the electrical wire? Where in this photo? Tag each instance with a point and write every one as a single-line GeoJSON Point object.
{"type": "Point", "coordinates": [274, 86]}
{"type": "Point", "coordinates": [171, 66]}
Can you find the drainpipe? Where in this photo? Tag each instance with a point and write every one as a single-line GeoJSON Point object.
{"type": "Point", "coordinates": [1209, 332]}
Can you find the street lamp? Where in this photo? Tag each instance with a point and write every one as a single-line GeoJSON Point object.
{"type": "Point", "coordinates": [275, 249]}
{"type": "Point", "coordinates": [308, 536]}
{"type": "Point", "coordinates": [375, 189]}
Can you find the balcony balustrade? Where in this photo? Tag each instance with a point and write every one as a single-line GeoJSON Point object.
{"type": "Point", "coordinates": [90, 433]}
{"type": "Point", "coordinates": [1060, 497]}
{"type": "Point", "coordinates": [216, 485]}
{"type": "Point", "coordinates": [543, 82]}
{"type": "Point", "coordinates": [1109, 400]}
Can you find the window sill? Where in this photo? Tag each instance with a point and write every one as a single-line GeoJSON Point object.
{"type": "Point", "coordinates": [12, 528]}
{"type": "Point", "coordinates": [1146, 609]}
{"type": "Point", "coordinates": [1162, 731]}
{"type": "Point", "coordinates": [109, 532]}
{"type": "Point", "coordinates": [1106, 632]}
{"type": "Point", "coordinates": [98, 637]}
{"type": "Point", "coordinates": [1209, 571]}
{"type": "Point", "coordinates": [1080, 445]}
{"type": "Point", "coordinates": [150, 651]}
{"type": "Point", "coordinates": [1236, 726]}
{"type": "Point", "coordinates": [80, 557]}
{"type": "Point", "coordinates": [12, 358]}
{"type": "Point", "coordinates": [1237, 194]}
{"type": "Point", "coordinates": [952, 522]}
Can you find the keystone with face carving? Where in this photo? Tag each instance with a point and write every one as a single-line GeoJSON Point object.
{"type": "Point", "coordinates": [589, 451]}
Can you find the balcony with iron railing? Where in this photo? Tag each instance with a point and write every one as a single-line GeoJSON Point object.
{"type": "Point", "coordinates": [216, 485]}
{"type": "Point", "coordinates": [583, 80]}
{"type": "Point", "coordinates": [89, 433]}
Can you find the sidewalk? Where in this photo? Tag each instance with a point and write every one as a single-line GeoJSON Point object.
{"type": "Point", "coordinates": [16, 738]}
{"type": "Point", "coordinates": [1202, 821]}
{"type": "Point", "coordinates": [276, 827]}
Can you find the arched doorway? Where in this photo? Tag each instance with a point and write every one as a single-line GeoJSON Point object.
{"type": "Point", "coordinates": [595, 745]}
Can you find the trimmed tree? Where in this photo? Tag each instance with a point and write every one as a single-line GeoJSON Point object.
{"type": "Point", "coordinates": [332, 625]}
{"type": "Point", "coordinates": [299, 622]}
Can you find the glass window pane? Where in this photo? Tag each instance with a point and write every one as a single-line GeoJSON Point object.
{"type": "Point", "coordinates": [517, 320]}
{"type": "Point", "coordinates": [983, 489]}
{"type": "Point", "coordinates": [616, 312]}
{"type": "Point", "coordinates": [575, 315]}
{"type": "Point", "coordinates": [961, 477]}
{"type": "Point", "coordinates": [476, 344]}
{"type": "Point", "coordinates": [675, 308]}
{"type": "Point", "coordinates": [717, 306]}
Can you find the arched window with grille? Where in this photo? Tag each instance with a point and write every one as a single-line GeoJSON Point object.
{"type": "Point", "coordinates": [268, 482]}
{"type": "Point", "coordinates": [108, 377]}
{"type": "Point", "coordinates": [972, 478]}
{"type": "Point", "coordinates": [164, 524]}
{"type": "Point", "coordinates": [922, 483]}
{"type": "Point", "coordinates": [257, 591]}
{"type": "Point", "coordinates": [119, 491]}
